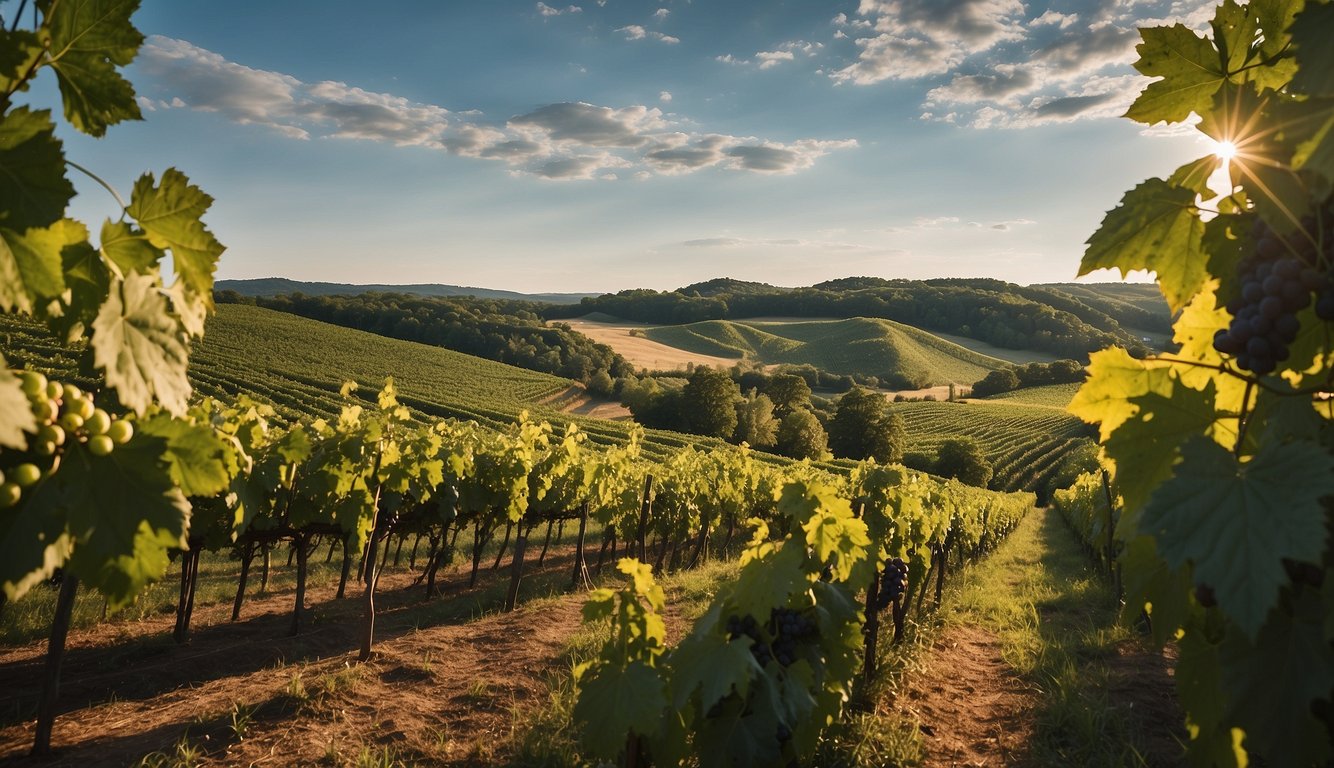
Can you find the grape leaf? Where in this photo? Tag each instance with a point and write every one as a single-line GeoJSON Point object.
{"type": "Point", "coordinates": [1195, 175]}
{"type": "Point", "coordinates": [1199, 688]}
{"type": "Point", "coordinates": [15, 412]}
{"type": "Point", "coordinates": [742, 736]}
{"type": "Point", "coordinates": [31, 267]}
{"type": "Point", "coordinates": [128, 248]}
{"type": "Point", "coordinates": [19, 50]}
{"type": "Point", "coordinates": [1311, 32]}
{"type": "Point", "coordinates": [89, 39]}
{"type": "Point", "coordinates": [1194, 333]}
{"type": "Point", "coordinates": [141, 346]}
{"type": "Point", "coordinates": [170, 216]}
{"type": "Point", "coordinates": [33, 188]}
{"type": "Point", "coordinates": [201, 463]}
{"type": "Point", "coordinates": [1313, 131]}
{"type": "Point", "coordinates": [1114, 378]}
{"type": "Point", "coordinates": [1234, 28]}
{"type": "Point", "coordinates": [88, 281]}
{"type": "Point", "coordinates": [1148, 580]}
{"type": "Point", "coordinates": [1237, 521]}
{"type": "Point", "coordinates": [1272, 681]}
{"type": "Point", "coordinates": [1144, 447]}
{"type": "Point", "coordinates": [1155, 227]}
{"type": "Point", "coordinates": [613, 702]}
{"type": "Point", "coordinates": [33, 539]}
{"type": "Point", "coordinates": [711, 665]}
{"type": "Point", "coordinates": [1275, 16]}
{"type": "Point", "coordinates": [1190, 70]}
{"type": "Point", "coordinates": [122, 538]}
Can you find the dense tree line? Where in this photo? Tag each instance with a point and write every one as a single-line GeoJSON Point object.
{"type": "Point", "coordinates": [996, 312]}
{"type": "Point", "coordinates": [1031, 375]}
{"type": "Point", "coordinates": [505, 331]}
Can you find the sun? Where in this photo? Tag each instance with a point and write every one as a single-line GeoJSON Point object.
{"type": "Point", "coordinates": [1225, 150]}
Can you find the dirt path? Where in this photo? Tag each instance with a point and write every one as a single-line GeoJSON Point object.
{"type": "Point", "coordinates": [973, 709]}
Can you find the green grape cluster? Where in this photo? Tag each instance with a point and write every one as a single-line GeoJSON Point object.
{"type": "Point", "coordinates": [66, 416]}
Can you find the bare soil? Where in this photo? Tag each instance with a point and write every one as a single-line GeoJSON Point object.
{"type": "Point", "coordinates": [972, 708]}
{"type": "Point", "coordinates": [643, 352]}
{"type": "Point", "coordinates": [448, 683]}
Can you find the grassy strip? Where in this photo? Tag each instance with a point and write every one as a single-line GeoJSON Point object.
{"type": "Point", "coordinates": [1056, 620]}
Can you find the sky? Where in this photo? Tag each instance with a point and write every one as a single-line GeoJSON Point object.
{"type": "Point", "coordinates": [611, 144]}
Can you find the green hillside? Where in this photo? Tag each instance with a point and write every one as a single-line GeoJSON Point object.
{"type": "Point", "coordinates": [298, 365]}
{"type": "Point", "coordinates": [898, 354]}
{"type": "Point", "coordinates": [1048, 396]}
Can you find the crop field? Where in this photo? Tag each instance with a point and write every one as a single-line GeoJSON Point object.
{"type": "Point", "coordinates": [1024, 443]}
{"type": "Point", "coordinates": [1049, 396]}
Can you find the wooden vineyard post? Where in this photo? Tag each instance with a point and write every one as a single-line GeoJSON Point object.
{"type": "Point", "coordinates": [580, 567]}
{"type": "Point", "coordinates": [300, 607]}
{"type": "Point", "coordinates": [246, 558]}
{"type": "Point", "coordinates": [872, 628]}
{"type": "Point", "coordinates": [55, 654]}
{"type": "Point", "coordinates": [516, 568]}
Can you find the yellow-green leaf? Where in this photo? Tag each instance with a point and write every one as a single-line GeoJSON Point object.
{"type": "Point", "coordinates": [141, 346]}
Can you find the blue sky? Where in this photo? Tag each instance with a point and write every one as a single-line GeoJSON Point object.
{"type": "Point", "coordinates": [597, 146]}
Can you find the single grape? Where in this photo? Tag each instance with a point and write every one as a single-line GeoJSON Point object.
{"type": "Point", "coordinates": [25, 475]}
{"type": "Point", "coordinates": [97, 422]}
{"type": "Point", "coordinates": [120, 432]}
{"type": "Point", "coordinates": [100, 445]}
{"type": "Point", "coordinates": [10, 493]}
{"type": "Point", "coordinates": [33, 383]}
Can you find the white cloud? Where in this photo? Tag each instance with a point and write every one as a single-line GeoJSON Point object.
{"type": "Point", "coordinates": [548, 11]}
{"type": "Point", "coordinates": [567, 140]}
{"type": "Point", "coordinates": [665, 97]}
{"type": "Point", "coordinates": [636, 32]}
{"type": "Point", "coordinates": [769, 59]}
{"type": "Point", "coordinates": [661, 14]}
{"type": "Point", "coordinates": [1004, 64]}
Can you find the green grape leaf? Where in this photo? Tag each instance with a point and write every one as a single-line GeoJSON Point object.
{"type": "Point", "coordinates": [1193, 332]}
{"type": "Point", "coordinates": [764, 584]}
{"type": "Point", "coordinates": [1311, 32]}
{"type": "Point", "coordinates": [1144, 448]}
{"type": "Point", "coordinates": [613, 702]}
{"type": "Point", "coordinates": [1226, 242]}
{"type": "Point", "coordinates": [31, 266]}
{"type": "Point", "coordinates": [170, 215]}
{"type": "Point", "coordinates": [89, 39]}
{"type": "Point", "coordinates": [1313, 132]}
{"type": "Point", "coordinates": [88, 281]}
{"type": "Point", "coordinates": [743, 736]}
{"type": "Point", "coordinates": [1190, 70]}
{"type": "Point", "coordinates": [1155, 227]}
{"type": "Point", "coordinates": [128, 248]}
{"type": "Point", "coordinates": [1195, 175]}
{"type": "Point", "coordinates": [1272, 681]}
{"type": "Point", "coordinates": [122, 538]}
{"type": "Point", "coordinates": [141, 346]}
{"type": "Point", "coordinates": [712, 666]}
{"type": "Point", "coordinates": [33, 188]}
{"type": "Point", "coordinates": [1275, 17]}
{"type": "Point", "coordinates": [15, 412]}
{"type": "Point", "coordinates": [1114, 378]}
{"type": "Point", "coordinates": [1199, 687]}
{"type": "Point", "coordinates": [1148, 581]}
{"type": "Point", "coordinates": [201, 463]}
{"type": "Point", "coordinates": [33, 539]}
{"type": "Point", "coordinates": [19, 50]}
{"type": "Point", "coordinates": [1234, 28]}
{"type": "Point", "coordinates": [1237, 521]}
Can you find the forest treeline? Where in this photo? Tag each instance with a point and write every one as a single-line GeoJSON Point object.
{"type": "Point", "coordinates": [496, 329]}
{"type": "Point", "coordinates": [1042, 318]}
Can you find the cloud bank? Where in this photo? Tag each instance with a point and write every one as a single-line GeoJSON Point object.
{"type": "Point", "coordinates": [567, 140]}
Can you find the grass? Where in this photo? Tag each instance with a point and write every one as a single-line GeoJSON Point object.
{"type": "Point", "coordinates": [1048, 396]}
{"type": "Point", "coordinates": [1056, 621]}
{"type": "Point", "coordinates": [894, 352]}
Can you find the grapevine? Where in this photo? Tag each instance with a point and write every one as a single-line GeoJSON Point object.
{"type": "Point", "coordinates": [1221, 455]}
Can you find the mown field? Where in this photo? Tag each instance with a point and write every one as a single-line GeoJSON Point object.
{"type": "Point", "coordinates": [895, 352]}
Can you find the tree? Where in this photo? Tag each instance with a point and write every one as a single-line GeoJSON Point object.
{"type": "Point", "coordinates": [864, 428]}
{"type": "Point", "coordinates": [963, 458]}
{"type": "Point", "coordinates": [788, 392]}
{"type": "Point", "coordinates": [801, 436]}
{"type": "Point", "coordinates": [708, 403]}
{"type": "Point", "coordinates": [996, 382]}
{"type": "Point", "coordinates": [755, 422]}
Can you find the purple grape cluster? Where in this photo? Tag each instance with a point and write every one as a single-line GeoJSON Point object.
{"type": "Point", "coordinates": [893, 583]}
{"type": "Point", "coordinates": [785, 630]}
{"type": "Point", "coordinates": [1278, 280]}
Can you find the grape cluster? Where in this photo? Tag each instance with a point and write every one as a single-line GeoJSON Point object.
{"type": "Point", "coordinates": [893, 583]}
{"type": "Point", "coordinates": [65, 415]}
{"type": "Point", "coordinates": [1277, 281]}
{"type": "Point", "coordinates": [778, 639]}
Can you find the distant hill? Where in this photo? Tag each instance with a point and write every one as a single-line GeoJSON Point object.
{"type": "Point", "coordinates": [899, 355]}
{"type": "Point", "coordinates": [1065, 321]}
{"type": "Point", "coordinates": [277, 286]}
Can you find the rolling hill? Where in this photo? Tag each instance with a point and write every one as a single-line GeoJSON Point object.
{"type": "Point", "coordinates": [900, 355]}
{"type": "Point", "coordinates": [277, 286]}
